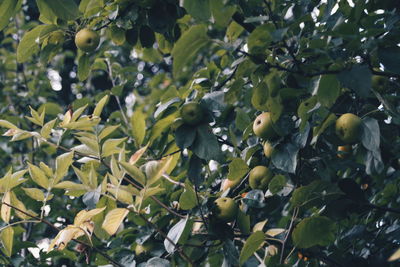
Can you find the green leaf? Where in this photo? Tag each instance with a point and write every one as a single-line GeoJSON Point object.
{"type": "Point", "coordinates": [46, 129]}
{"type": "Point", "coordinates": [117, 35]}
{"type": "Point", "coordinates": [8, 8]}
{"type": "Point", "coordinates": [233, 31]}
{"type": "Point", "coordinates": [260, 96]}
{"type": "Point", "coordinates": [38, 176]}
{"type": "Point", "coordinates": [327, 89]}
{"type": "Point", "coordinates": [7, 124]}
{"type": "Point", "coordinates": [134, 172]}
{"type": "Point", "coordinates": [187, 200]}
{"type": "Point", "coordinates": [285, 157]}
{"type": "Point", "coordinates": [260, 39]}
{"type": "Point", "coordinates": [187, 47]}
{"type": "Point", "coordinates": [318, 230]}
{"type": "Point", "coordinates": [358, 79]}
{"type": "Point", "coordinates": [222, 13]}
{"type": "Point", "coordinates": [277, 183]}
{"type": "Point", "coordinates": [370, 136]}
{"type": "Point", "coordinates": [63, 9]}
{"type": "Point", "coordinates": [138, 123]}
{"type": "Point", "coordinates": [185, 136]}
{"type": "Point", "coordinates": [389, 57]}
{"type": "Point", "coordinates": [35, 194]}
{"type": "Point", "coordinates": [198, 9]}
{"type": "Point", "coordinates": [237, 169]}
{"type": "Point", "coordinates": [110, 146]}
{"type": "Point", "coordinates": [305, 108]}
{"type": "Point", "coordinates": [100, 105]}
{"type": "Point", "coordinates": [205, 145]}
{"type": "Point", "coordinates": [108, 130]}
{"type": "Point", "coordinates": [7, 238]}
{"type": "Point", "coordinates": [90, 7]}
{"type": "Point", "coordinates": [254, 241]}
{"type": "Point", "coordinates": [83, 67]}
{"type": "Point", "coordinates": [63, 162]}
{"type": "Point", "coordinates": [29, 44]}
{"type": "Point", "coordinates": [242, 119]}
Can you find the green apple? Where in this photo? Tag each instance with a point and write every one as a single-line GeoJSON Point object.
{"type": "Point", "coordinates": [192, 113]}
{"type": "Point", "coordinates": [87, 40]}
{"type": "Point", "coordinates": [262, 126]}
{"type": "Point", "coordinates": [348, 128]}
{"type": "Point", "coordinates": [259, 177]}
{"type": "Point", "coordinates": [268, 149]}
{"type": "Point", "coordinates": [225, 209]}
{"type": "Point", "coordinates": [379, 83]}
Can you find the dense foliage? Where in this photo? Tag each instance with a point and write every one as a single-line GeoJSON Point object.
{"type": "Point", "coordinates": [141, 151]}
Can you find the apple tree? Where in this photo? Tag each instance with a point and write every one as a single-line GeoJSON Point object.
{"type": "Point", "coordinates": [200, 133]}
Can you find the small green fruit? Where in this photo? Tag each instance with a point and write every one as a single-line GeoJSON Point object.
{"type": "Point", "coordinates": [268, 149]}
{"type": "Point", "coordinates": [87, 40]}
{"type": "Point", "coordinates": [225, 209]}
{"type": "Point", "coordinates": [259, 177]}
{"type": "Point", "coordinates": [348, 128]}
{"type": "Point", "coordinates": [144, 248]}
{"type": "Point", "coordinates": [192, 113]}
{"type": "Point", "coordinates": [379, 83]}
{"type": "Point", "coordinates": [262, 126]}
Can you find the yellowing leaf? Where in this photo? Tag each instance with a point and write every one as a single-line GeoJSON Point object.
{"type": "Point", "coordinates": [7, 238]}
{"type": "Point", "coordinates": [137, 155]}
{"type": "Point", "coordinates": [138, 124]}
{"type": "Point", "coordinates": [62, 165]}
{"type": "Point", "coordinates": [100, 105]}
{"type": "Point", "coordinates": [120, 194]}
{"type": "Point", "coordinates": [86, 215]}
{"type": "Point", "coordinates": [155, 170]}
{"type": "Point", "coordinates": [110, 146]}
{"type": "Point", "coordinates": [38, 176]}
{"type": "Point", "coordinates": [259, 226]}
{"type": "Point", "coordinates": [395, 256]}
{"type": "Point", "coordinates": [108, 130]}
{"type": "Point", "coordinates": [275, 231]}
{"type": "Point", "coordinates": [5, 209]}
{"type": "Point", "coordinates": [68, 185]}
{"type": "Point", "coordinates": [34, 193]}
{"type": "Point", "coordinates": [134, 172]}
{"type": "Point", "coordinates": [64, 236]}
{"type": "Point", "coordinates": [20, 205]}
{"type": "Point", "coordinates": [113, 220]}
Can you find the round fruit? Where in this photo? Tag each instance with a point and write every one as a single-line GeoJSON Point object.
{"type": "Point", "coordinates": [262, 126]}
{"type": "Point", "coordinates": [259, 177]}
{"type": "Point", "coordinates": [226, 183]}
{"type": "Point", "coordinates": [87, 40]}
{"type": "Point", "coordinates": [192, 113]}
{"type": "Point", "coordinates": [225, 209]}
{"type": "Point", "coordinates": [379, 83]}
{"type": "Point", "coordinates": [348, 128]}
{"type": "Point", "coordinates": [268, 149]}
{"type": "Point", "coordinates": [346, 150]}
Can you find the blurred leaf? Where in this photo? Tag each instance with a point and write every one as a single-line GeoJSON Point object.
{"type": "Point", "coordinates": [7, 238]}
{"type": "Point", "coordinates": [198, 9]}
{"type": "Point", "coordinates": [188, 200]}
{"type": "Point", "coordinates": [205, 145]}
{"type": "Point", "coordinates": [327, 89]}
{"type": "Point", "coordinates": [285, 157]}
{"type": "Point", "coordinates": [84, 66]}
{"type": "Point", "coordinates": [253, 242]}
{"type": "Point", "coordinates": [114, 219]}
{"type": "Point", "coordinates": [358, 79]}
{"type": "Point", "coordinates": [389, 58]}
{"type": "Point", "coordinates": [8, 8]}
{"type": "Point", "coordinates": [277, 183]}
{"type": "Point", "coordinates": [395, 256]}
{"type": "Point", "coordinates": [318, 230]}
{"type": "Point", "coordinates": [157, 262]}
{"type": "Point", "coordinates": [63, 9]}
{"type": "Point", "coordinates": [175, 234]}
{"type": "Point", "coordinates": [237, 169]}
{"type": "Point", "coordinates": [185, 136]}
{"type": "Point", "coordinates": [187, 47]}
{"type": "Point", "coordinates": [370, 137]}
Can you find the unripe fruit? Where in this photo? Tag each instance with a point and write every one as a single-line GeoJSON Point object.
{"type": "Point", "coordinates": [192, 113]}
{"type": "Point", "coordinates": [262, 126]}
{"type": "Point", "coordinates": [259, 177]}
{"type": "Point", "coordinates": [87, 40]}
{"type": "Point", "coordinates": [225, 209]}
{"type": "Point", "coordinates": [348, 128]}
{"type": "Point", "coordinates": [243, 222]}
{"type": "Point", "coordinates": [346, 151]}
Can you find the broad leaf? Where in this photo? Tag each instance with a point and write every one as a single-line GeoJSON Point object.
{"type": "Point", "coordinates": [318, 230]}
{"type": "Point", "coordinates": [252, 244]}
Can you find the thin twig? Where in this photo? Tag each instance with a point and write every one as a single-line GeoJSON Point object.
{"type": "Point", "coordinates": [294, 216]}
